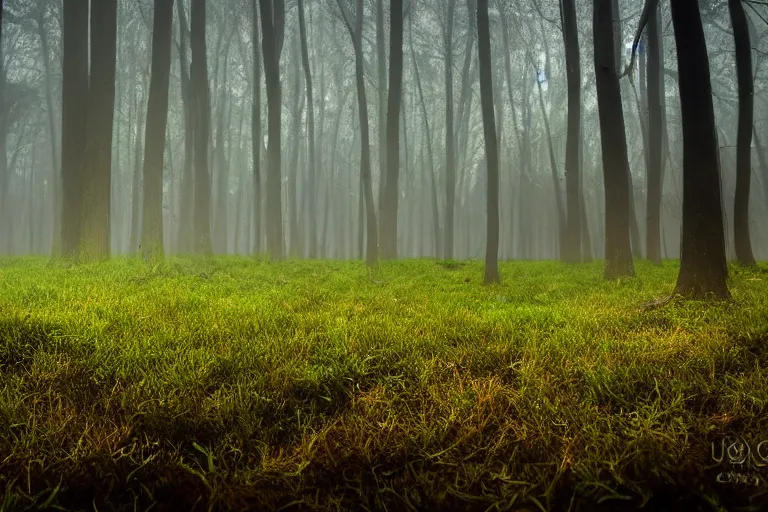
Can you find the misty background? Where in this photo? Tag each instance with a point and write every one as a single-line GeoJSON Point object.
{"type": "Point", "coordinates": [321, 196]}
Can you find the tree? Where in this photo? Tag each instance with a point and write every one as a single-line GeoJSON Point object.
{"type": "Point", "coordinates": [157, 118]}
{"type": "Point", "coordinates": [571, 252]}
{"type": "Point", "coordinates": [491, 144]}
{"type": "Point", "coordinates": [202, 119]}
{"type": "Point", "coordinates": [310, 133]}
{"type": "Point", "coordinates": [186, 216]}
{"type": "Point", "coordinates": [703, 267]}
{"type": "Point", "coordinates": [743, 45]}
{"type": "Point", "coordinates": [74, 94]}
{"type": "Point", "coordinates": [450, 150]}
{"type": "Point", "coordinates": [273, 30]}
{"type": "Point", "coordinates": [356, 34]}
{"type": "Point", "coordinates": [388, 210]}
{"type": "Point", "coordinates": [618, 251]}
{"type": "Point", "coordinates": [256, 128]}
{"type": "Point", "coordinates": [655, 134]}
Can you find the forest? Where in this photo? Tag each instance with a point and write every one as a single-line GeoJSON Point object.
{"type": "Point", "coordinates": [383, 255]}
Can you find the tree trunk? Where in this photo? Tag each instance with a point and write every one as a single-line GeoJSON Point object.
{"type": "Point", "coordinates": [491, 144]}
{"type": "Point", "coordinates": [450, 150]}
{"type": "Point", "coordinates": [743, 45]}
{"type": "Point", "coordinates": [310, 134]}
{"type": "Point", "coordinates": [256, 130]}
{"type": "Point", "coordinates": [185, 240]}
{"type": "Point", "coordinates": [703, 267]}
{"type": "Point", "coordinates": [273, 26]}
{"type": "Point", "coordinates": [157, 119]}
{"type": "Point", "coordinates": [381, 64]}
{"type": "Point", "coordinates": [202, 103]}
{"type": "Point", "coordinates": [74, 94]}
{"type": "Point", "coordinates": [571, 250]}
{"type": "Point", "coordinates": [388, 210]}
{"type": "Point", "coordinates": [655, 129]}
{"type": "Point", "coordinates": [618, 250]}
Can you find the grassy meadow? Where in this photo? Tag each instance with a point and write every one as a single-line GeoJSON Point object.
{"type": "Point", "coordinates": [240, 384]}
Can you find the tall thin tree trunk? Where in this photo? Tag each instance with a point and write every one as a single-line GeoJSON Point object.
{"type": "Point", "coordinates": [655, 129]}
{"type": "Point", "coordinates": [157, 119]}
{"type": "Point", "coordinates": [450, 137]}
{"type": "Point", "coordinates": [310, 134]}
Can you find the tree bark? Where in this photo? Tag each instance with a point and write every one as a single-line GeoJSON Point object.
{"type": "Point", "coordinates": [618, 250]}
{"type": "Point", "coordinates": [388, 210]}
{"type": "Point", "coordinates": [743, 243]}
{"type": "Point", "coordinates": [310, 134]}
{"type": "Point", "coordinates": [450, 137]}
{"type": "Point", "coordinates": [157, 119]}
{"type": "Point", "coordinates": [491, 144]}
{"type": "Point", "coordinates": [273, 27]}
{"type": "Point", "coordinates": [703, 267]}
{"type": "Point", "coordinates": [655, 132]}
{"type": "Point", "coordinates": [74, 100]}
{"type": "Point", "coordinates": [571, 251]}
{"type": "Point", "coordinates": [202, 103]}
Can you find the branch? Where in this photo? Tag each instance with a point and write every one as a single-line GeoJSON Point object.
{"type": "Point", "coordinates": [649, 7]}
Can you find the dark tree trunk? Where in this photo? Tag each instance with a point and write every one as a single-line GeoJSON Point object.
{"type": "Point", "coordinates": [743, 45]}
{"type": "Point", "coordinates": [388, 210]}
{"type": "Point", "coordinates": [381, 65]}
{"type": "Point", "coordinates": [157, 119]}
{"type": "Point", "coordinates": [618, 250]}
{"type": "Point", "coordinates": [655, 129]}
{"type": "Point", "coordinates": [202, 105]}
{"type": "Point", "coordinates": [94, 236]}
{"type": "Point", "coordinates": [491, 144]}
{"type": "Point", "coordinates": [571, 251]}
{"type": "Point", "coordinates": [74, 100]}
{"type": "Point", "coordinates": [703, 267]}
{"type": "Point", "coordinates": [273, 26]}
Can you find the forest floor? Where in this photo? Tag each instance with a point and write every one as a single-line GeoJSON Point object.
{"type": "Point", "coordinates": [238, 384]}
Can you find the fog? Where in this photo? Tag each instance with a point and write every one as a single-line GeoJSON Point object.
{"type": "Point", "coordinates": [193, 177]}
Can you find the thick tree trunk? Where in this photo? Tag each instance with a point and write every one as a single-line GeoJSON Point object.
{"type": "Point", "coordinates": [571, 250]}
{"type": "Point", "coordinates": [157, 119]}
{"type": "Point", "coordinates": [655, 129]}
{"type": "Point", "coordinates": [491, 144]}
{"type": "Point", "coordinates": [741, 38]}
{"type": "Point", "coordinates": [703, 267]}
{"type": "Point", "coordinates": [74, 100]}
{"type": "Point", "coordinates": [618, 250]}
{"type": "Point", "coordinates": [97, 182]}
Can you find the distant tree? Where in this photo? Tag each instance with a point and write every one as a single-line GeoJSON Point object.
{"type": "Point", "coordinates": [185, 240]}
{"type": "Point", "coordinates": [450, 149]}
{"type": "Point", "coordinates": [356, 34]}
{"type": "Point", "coordinates": [703, 267]}
{"type": "Point", "coordinates": [157, 119]}
{"type": "Point", "coordinates": [491, 143]}
{"type": "Point", "coordinates": [310, 133]}
{"type": "Point", "coordinates": [73, 119]}
{"type": "Point", "coordinates": [388, 210]}
{"type": "Point", "coordinates": [202, 116]}
{"type": "Point", "coordinates": [743, 45]}
{"type": "Point", "coordinates": [618, 251]}
{"type": "Point", "coordinates": [256, 135]}
{"type": "Point", "coordinates": [571, 252]}
{"type": "Point", "coordinates": [273, 32]}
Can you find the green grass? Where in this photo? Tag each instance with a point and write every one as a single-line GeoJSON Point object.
{"type": "Point", "coordinates": [251, 385]}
